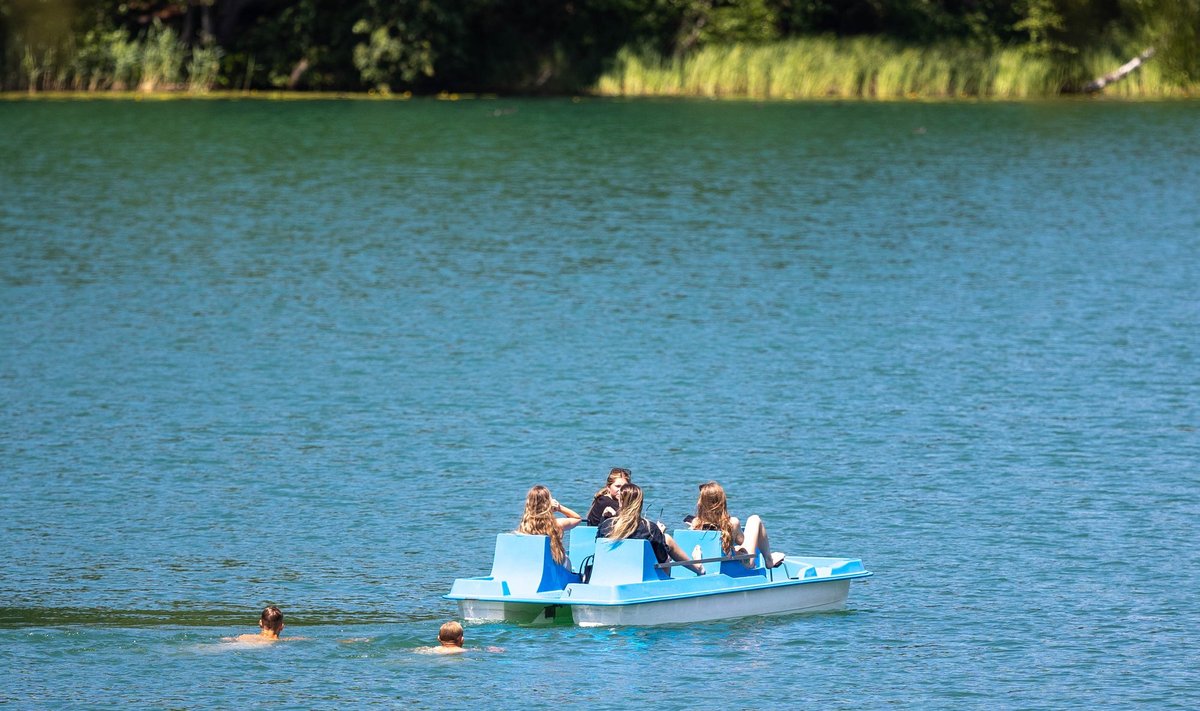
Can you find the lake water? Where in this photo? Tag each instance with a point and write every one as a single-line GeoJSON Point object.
{"type": "Point", "coordinates": [315, 353]}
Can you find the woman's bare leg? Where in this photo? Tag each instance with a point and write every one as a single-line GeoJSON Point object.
{"type": "Point", "coordinates": [756, 540]}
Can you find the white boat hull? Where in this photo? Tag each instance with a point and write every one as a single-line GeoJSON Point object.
{"type": "Point", "coordinates": [476, 611]}
{"type": "Point", "coordinates": [807, 597]}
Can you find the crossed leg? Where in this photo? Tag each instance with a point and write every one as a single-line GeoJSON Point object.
{"type": "Point", "coordinates": [755, 541]}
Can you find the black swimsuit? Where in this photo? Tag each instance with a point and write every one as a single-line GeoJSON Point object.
{"type": "Point", "coordinates": [596, 514]}
{"type": "Point", "coordinates": [646, 531]}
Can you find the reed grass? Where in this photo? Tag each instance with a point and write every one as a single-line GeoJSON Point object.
{"type": "Point", "coordinates": [870, 67]}
{"type": "Point", "coordinates": [203, 69]}
{"type": "Point", "coordinates": [162, 59]}
{"type": "Point", "coordinates": [111, 61]}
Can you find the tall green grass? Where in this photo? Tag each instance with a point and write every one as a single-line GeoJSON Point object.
{"type": "Point", "coordinates": [868, 67]}
{"type": "Point", "coordinates": [101, 61]}
{"type": "Point", "coordinates": [814, 67]}
{"type": "Point", "coordinates": [203, 69]}
{"type": "Point", "coordinates": [1149, 80]}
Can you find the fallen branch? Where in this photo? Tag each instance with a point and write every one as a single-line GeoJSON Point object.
{"type": "Point", "coordinates": [297, 72]}
{"type": "Point", "coordinates": [1121, 72]}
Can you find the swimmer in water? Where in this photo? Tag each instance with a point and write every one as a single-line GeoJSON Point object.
{"type": "Point", "coordinates": [450, 639]}
{"type": "Point", "coordinates": [270, 624]}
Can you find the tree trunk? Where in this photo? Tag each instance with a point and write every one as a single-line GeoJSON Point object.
{"type": "Point", "coordinates": [690, 27]}
{"type": "Point", "coordinates": [297, 72]}
{"type": "Point", "coordinates": [1121, 72]}
{"type": "Point", "coordinates": [206, 25]}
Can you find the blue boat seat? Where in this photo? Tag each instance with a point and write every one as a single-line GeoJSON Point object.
{"type": "Point", "coordinates": [527, 565]}
{"type": "Point", "coordinates": [624, 561]}
{"type": "Point", "coordinates": [709, 542]}
{"type": "Point", "coordinates": [710, 547]}
{"type": "Point", "coordinates": [583, 546]}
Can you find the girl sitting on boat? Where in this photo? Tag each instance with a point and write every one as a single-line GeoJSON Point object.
{"type": "Point", "coordinates": [628, 523]}
{"type": "Point", "coordinates": [539, 520]}
{"type": "Point", "coordinates": [712, 514]}
{"type": "Point", "coordinates": [606, 501]}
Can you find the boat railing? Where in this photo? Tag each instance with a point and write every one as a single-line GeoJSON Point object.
{"type": "Point", "coordinates": [719, 559]}
{"type": "Point", "coordinates": [770, 572]}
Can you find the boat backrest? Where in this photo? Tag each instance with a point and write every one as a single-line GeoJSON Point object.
{"type": "Point", "coordinates": [623, 561]}
{"type": "Point", "coordinates": [710, 547]}
{"type": "Point", "coordinates": [709, 542]}
{"type": "Point", "coordinates": [583, 545]}
{"type": "Point", "coordinates": [527, 565]}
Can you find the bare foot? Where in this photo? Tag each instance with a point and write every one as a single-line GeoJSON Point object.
{"type": "Point", "coordinates": [777, 559]}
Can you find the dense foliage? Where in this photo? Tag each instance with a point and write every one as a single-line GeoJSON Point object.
{"type": "Point", "coordinates": [530, 45]}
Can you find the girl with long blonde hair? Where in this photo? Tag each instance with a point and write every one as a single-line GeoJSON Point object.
{"type": "Point", "coordinates": [712, 514]}
{"type": "Point", "coordinates": [539, 520]}
{"type": "Point", "coordinates": [628, 523]}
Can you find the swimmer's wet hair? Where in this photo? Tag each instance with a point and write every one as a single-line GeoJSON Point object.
{"type": "Point", "coordinates": [450, 632]}
{"type": "Point", "coordinates": [272, 619]}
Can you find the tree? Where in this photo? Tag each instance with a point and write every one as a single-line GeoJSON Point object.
{"type": "Point", "coordinates": [1172, 27]}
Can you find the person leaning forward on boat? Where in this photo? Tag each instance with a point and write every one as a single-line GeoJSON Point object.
{"type": "Point", "coordinates": [606, 501]}
{"type": "Point", "coordinates": [628, 523]}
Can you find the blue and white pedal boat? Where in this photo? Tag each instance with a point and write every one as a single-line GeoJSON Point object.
{"type": "Point", "coordinates": [620, 582]}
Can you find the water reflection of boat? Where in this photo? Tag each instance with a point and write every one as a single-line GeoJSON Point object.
{"type": "Point", "coordinates": [620, 582]}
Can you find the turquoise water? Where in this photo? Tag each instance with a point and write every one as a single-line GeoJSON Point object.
{"type": "Point", "coordinates": [314, 354]}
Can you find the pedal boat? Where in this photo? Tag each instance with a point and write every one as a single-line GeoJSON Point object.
{"type": "Point", "coordinates": [620, 582]}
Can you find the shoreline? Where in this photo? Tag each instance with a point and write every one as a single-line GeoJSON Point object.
{"type": "Point", "coordinates": [261, 96]}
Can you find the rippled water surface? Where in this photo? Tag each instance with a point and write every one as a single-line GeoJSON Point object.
{"type": "Point", "coordinates": [315, 353]}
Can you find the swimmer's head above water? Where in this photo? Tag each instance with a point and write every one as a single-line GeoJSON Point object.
{"type": "Point", "coordinates": [271, 621]}
{"type": "Point", "coordinates": [451, 634]}
{"type": "Point", "coordinates": [270, 624]}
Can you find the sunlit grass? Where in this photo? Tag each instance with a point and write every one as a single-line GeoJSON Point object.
{"type": "Point", "coordinates": [110, 61]}
{"type": "Point", "coordinates": [866, 67]}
